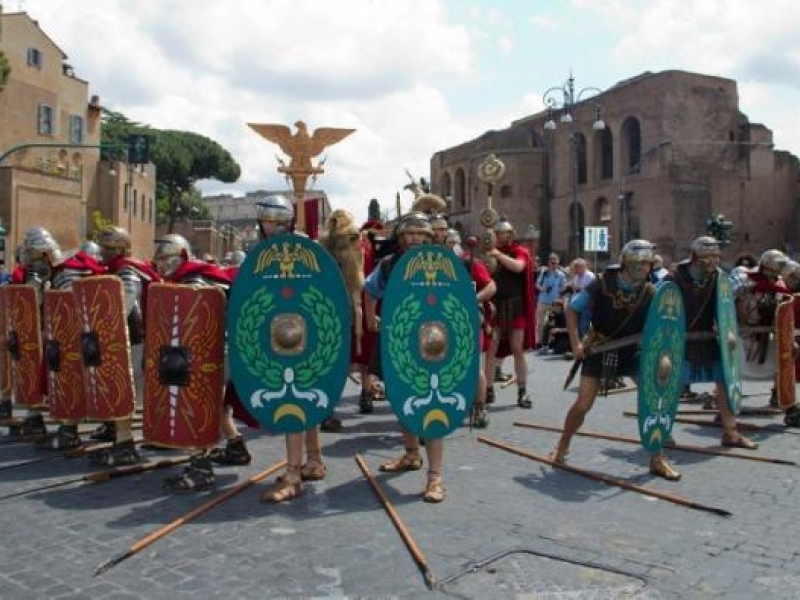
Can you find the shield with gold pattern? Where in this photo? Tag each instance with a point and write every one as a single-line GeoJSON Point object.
{"type": "Point", "coordinates": [660, 365]}
{"type": "Point", "coordinates": [430, 354]}
{"type": "Point", "coordinates": [184, 375]}
{"type": "Point", "coordinates": [784, 343]}
{"type": "Point", "coordinates": [62, 356]}
{"type": "Point", "coordinates": [23, 339]}
{"type": "Point", "coordinates": [105, 353]}
{"type": "Point", "coordinates": [729, 341]}
{"type": "Point", "coordinates": [289, 323]}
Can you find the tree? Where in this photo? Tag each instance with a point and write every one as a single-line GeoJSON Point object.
{"type": "Point", "coordinates": [181, 158]}
{"type": "Point", "coordinates": [374, 210]}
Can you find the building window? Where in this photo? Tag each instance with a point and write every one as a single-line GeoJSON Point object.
{"type": "Point", "coordinates": [580, 150]}
{"type": "Point", "coordinates": [505, 191]}
{"type": "Point", "coordinates": [75, 129]}
{"type": "Point", "coordinates": [34, 58]}
{"type": "Point", "coordinates": [606, 154]}
{"type": "Point", "coordinates": [46, 123]}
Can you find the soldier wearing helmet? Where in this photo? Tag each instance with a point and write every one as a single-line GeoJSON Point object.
{"type": "Point", "coordinates": [440, 227]}
{"type": "Point", "coordinates": [275, 214]}
{"type": "Point", "coordinates": [791, 277]}
{"type": "Point", "coordinates": [697, 278]}
{"type": "Point", "coordinates": [46, 267]}
{"type": "Point", "coordinates": [514, 327]}
{"type": "Point", "coordinates": [618, 300]}
{"type": "Point", "coordinates": [91, 249]}
{"type": "Point", "coordinates": [412, 230]}
{"type": "Point", "coordinates": [174, 262]}
{"type": "Point", "coordinates": [758, 291]}
{"type": "Point", "coordinates": [114, 246]}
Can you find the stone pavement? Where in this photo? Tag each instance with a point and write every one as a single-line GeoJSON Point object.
{"type": "Point", "coordinates": [509, 528]}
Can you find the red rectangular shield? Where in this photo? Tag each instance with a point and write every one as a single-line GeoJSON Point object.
{"type": "Point", "coordinates": [784, 334]}
{"type": "Point", "coordinates": [105, 353]}
{"type": "Point", "coordinates": [184, 365]}
{"type": "Point", "coordinates": [62, 356]}
{"type": "Point", "coordinates": [23, 336]}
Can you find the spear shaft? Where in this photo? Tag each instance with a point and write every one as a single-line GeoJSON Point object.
{"type": "Point", "coordinates": [607, 479]}
{"type": "Point", "coordinates": [408, 540]}
{"type": "Point", "coordinates": [195, 512]}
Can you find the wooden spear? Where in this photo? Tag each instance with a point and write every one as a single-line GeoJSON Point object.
{"type": "Point", "coordinates": [416, 553]}
{"type": "Point", "coordinates": [602, 477]}
{"type": "Point", "coordinates": [683, 447]}
{"type": "Point", "coordinates": [195, 512]}
{"type": "Point", "coordinates": [103, 476]}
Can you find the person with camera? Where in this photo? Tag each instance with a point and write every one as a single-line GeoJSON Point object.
{"type": "Point", "coordinates": [549, 286]}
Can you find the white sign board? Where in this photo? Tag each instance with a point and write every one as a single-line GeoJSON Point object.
{"type": "Point", "coordinates": [595, 239]}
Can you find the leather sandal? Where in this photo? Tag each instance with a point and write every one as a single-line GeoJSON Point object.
{"type": "Point", "coordinates": [313, 471]}
{"type": "Point", "coordinates": [286, 487]}
{"type": "Point", "coordinates": [434, 490]}
{"type": "Point", "coordinates": [407, 462]}
{"type": "Point", "coordinates": [661, 468]}
{"type": "Point", "coordinates": [734, 439]}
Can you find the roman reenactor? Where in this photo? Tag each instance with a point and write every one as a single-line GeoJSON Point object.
{"type": "Point", "coordinates": [47, 268]}
{"type": "Point", "coordinates": [511, 267]}
{"type": "Point", "coordinates": [413, 230]}
{"type": "Point", "coordinates": [618, 300]}
{"type": "Point", "coordinates": [342, 238]}
{"type": "Point", "coordinates": [174, 263]}
{"type": "Point", "coordinates": [758, 291]}
{"type": "Point", "coordinates": [698, 278]}
{"type": "Point", "coordinates": [275, 216]}
{"type": "Point", "coordinates": [136, 276]}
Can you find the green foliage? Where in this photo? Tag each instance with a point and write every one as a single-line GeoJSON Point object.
{"type": "Point", "coordinates": [5, 68]}
{"type": "Point", "coordinates": [181, 158]}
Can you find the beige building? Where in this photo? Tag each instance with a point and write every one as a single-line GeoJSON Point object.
{"type": "Point", "coordinates": [51, 172]}
{"type": "Point", "coordinates": [674, 150]}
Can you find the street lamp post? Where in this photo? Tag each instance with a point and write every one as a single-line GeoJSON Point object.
{"type": "Point", "coordinates": [564, 98]}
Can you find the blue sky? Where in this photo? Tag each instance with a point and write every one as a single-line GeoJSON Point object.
{"type": "Point", "coordinates": [412, 76]}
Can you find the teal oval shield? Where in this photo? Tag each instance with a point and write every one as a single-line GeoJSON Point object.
{"type": "Point", "coordinates": [660, 365]}
{"type": "Point", "coordinates": [729, 342]}
{"type": "Point", "coordinates": [429, 341]}
{"type": "Point", "coordinates": [289, 325]}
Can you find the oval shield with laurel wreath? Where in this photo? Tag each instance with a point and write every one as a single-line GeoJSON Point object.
{"type": "Point", "coordinates": [729, 342]}
{"type": "Point", "coordinates": [429, 341]}
{"type": "Point", "coordinates": [289, 321]}
{"type": "Point", "coordinates": [660, 365]}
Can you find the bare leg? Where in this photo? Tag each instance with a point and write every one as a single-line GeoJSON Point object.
{"type": "Point", "coordinates": [731, 436]}
{"type": "Point", "coordinates": [314, 469]}
{"type": "Point", "coordinates": [226, 424]}
{"type": "Point", "coordinates": [434, 491]}
{"type": "Point", "coordinates": [288, 486]}
{"type": "Point", "coordinates": [587, 392]}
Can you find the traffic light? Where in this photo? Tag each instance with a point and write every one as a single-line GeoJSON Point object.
{"type": "Point", "coordinates": [720, 228]}
{"type": "Point", "coordinates": [138, 149]}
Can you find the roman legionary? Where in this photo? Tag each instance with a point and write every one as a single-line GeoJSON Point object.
{"type": "Point", "coordinates": [697, 279]}
{"type": "Point", "coordinates": [758, 291]}
{"type": "Point", "coordinates": [275, 216]}
{"type": "Point", "coordinates": [342, 238]}
{"type": "Point", "coordinates": [791, 278]}
{"type": "Point", "coordinates": [512, 270]}
{"type": "Point", "coordinates": [174, 263]}
{"type": "Point", "coordinates": [618, 301]}
{"type": "Point", "coordinates": [136, 276]}
{"type": "Point", "coordinates": [46, 268]}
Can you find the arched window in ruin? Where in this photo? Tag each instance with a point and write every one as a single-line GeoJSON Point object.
{"type": "Point", "coordinates": [446, 185]}
{"type": "Point", "coordinates": [631, 146]}
{"type": "Point", "coordinates": [460, 189]}
{"type": "Point", "coordinates": [605, 141]}
{"type": "Point", "coordinates": [580, 153]}
{"type": "Point", "coordinates": [577, 221]}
